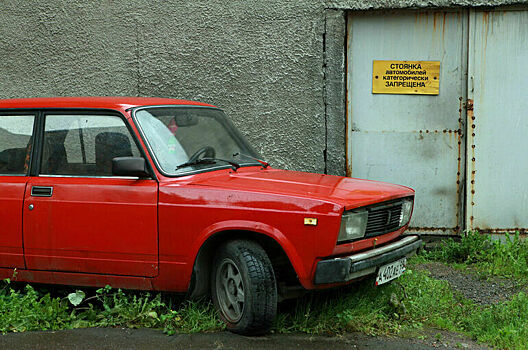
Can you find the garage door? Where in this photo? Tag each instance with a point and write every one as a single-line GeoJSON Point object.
{"type": "Point", "coordinates": [464, 148]}
{"type": "Point", "coordinates": [497, 161]}
{"type": "Point", "coordinates": [413, 140]}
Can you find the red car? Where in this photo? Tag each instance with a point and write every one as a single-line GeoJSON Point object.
{"type": "Point", "coordinates": [165, 194]}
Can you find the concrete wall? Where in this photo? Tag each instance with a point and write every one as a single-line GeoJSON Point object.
{"type": "Point", "coordinates": [268, 63]}
{"type": "Point", "coordinates": [397, 4]}
{"type": "Point", "coordinates": [259, 60]}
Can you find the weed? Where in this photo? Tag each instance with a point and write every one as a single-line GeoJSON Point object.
{"type": "Point", "coordinates": [31, 309]}
{"type": "Point", "coordinates": [508, 258]}
{"type": "Point", "coordinates": [472, 248]}
{"type": "Point", "coordinates": [387, 309]}
{"type": "Point", "coordinates": [503, 325]}
{"type": "Point", "coordinates": [28, 310]}
{"type": "Point", "coordinates": [407, 306]}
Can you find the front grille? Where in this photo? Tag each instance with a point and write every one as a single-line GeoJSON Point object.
{"type": "Point", "coordinates": [383, 218]}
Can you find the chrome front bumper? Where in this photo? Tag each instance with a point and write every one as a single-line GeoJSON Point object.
{"type": "Point", "coordinates": [347, 268]}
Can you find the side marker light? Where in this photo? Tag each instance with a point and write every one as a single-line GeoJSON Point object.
{"type": "Point", "coordinates": [310, 221]}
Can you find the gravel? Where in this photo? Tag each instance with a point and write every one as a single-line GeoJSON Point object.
{"type": "Point", "coordinates": [467, 283]}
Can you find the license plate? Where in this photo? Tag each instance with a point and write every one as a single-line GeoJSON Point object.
{"type": "Point", "coordinates": [391, 271]}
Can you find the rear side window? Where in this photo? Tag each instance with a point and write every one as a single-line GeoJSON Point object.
{"type": "Point", "coordinates": [84, 145]}
{"type": "Point", "coordinates": [15, 143]}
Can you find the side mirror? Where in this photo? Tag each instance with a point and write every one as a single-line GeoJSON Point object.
{"type": "Point", "coordinates": [130, 166]}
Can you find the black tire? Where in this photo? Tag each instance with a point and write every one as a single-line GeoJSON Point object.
{"type": "Point", "coordinates": [243, 287]}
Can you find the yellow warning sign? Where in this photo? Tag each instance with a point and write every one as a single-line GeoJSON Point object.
{"type": "Point", "coordinates": [406, 77]}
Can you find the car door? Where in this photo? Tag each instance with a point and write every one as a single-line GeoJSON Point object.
{"type": "Point", "coordinates": [16, 131]}
{"type": "Point", "coordinates": [78, 217]}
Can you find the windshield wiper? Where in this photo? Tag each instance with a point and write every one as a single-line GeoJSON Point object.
{"type": "Point", "coordinates": [234, 165]}
{"type": "Point", "coordinates": [264, 163]}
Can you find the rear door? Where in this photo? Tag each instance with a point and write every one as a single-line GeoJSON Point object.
{"type": "Point", "coordinates": [77, 216]}
{"type": "Point", "coordinates": [16, 140]}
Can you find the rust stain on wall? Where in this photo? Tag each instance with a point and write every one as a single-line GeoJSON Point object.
{"type": "Point", "coordinates": [471, 121]}
{"type": "Point", "coordinates": [521, 231]}
{"type": "Point", "coordinates": [348, 170]}
{"type": "Point", "coordinates": [459, 162]}
{"type": "Point", "coordinates": [443, 229]}
{"type": "Point", "coordinates": [444, 25]}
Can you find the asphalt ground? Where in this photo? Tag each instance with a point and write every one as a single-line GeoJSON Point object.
{"type": "Point", "coordinates": [117, 338]}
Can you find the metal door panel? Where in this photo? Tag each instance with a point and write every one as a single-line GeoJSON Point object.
{"type": "Point", "coordinates": [413, 140]}
{"type": "Point", "coordinates": [497, 198]}
{"type": "Point", "coordinates": [417, 152]}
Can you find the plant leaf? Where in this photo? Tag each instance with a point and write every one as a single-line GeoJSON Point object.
{"type": "Point", "coordinates": [76, 298]}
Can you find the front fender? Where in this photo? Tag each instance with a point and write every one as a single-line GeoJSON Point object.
{"type": "Point", "coordinates": [258, 227]}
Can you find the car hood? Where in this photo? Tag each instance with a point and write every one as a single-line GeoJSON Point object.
{"type": "Point", "coordinates": [348, 192]}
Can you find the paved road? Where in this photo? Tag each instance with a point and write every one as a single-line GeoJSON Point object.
{"type": "Point", "coordinates": [93, 338]}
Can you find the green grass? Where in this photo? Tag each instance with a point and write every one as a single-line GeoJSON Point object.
{"type": "Point", "coordinates": [410, 306]}
{"type": "Point", "coordinates": [486, 256]}
{"type": "Point", "coordinates": [502, 325]}
{"type": "Point", "coordinates": [25, 308]}
{"type": "Point", "coordinates": [414, 302]}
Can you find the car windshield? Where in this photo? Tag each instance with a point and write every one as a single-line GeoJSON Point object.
{"type": "Point", "coordinates": [192, 139]}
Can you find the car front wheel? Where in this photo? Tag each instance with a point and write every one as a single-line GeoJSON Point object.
{"type": "Point", "coordinates": [243, 287]}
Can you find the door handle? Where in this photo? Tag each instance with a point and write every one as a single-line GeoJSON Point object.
{"type": "Point", "coordinates": [41, 191]}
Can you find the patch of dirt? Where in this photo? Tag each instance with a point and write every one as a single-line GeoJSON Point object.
{"type": "Point", "coordinates": [468, 284]}
{"type": "Point", "coordinates": [442, 339]}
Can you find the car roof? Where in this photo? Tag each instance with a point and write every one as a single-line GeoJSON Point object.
{"type": "Point", "coordinates": [118, 103]}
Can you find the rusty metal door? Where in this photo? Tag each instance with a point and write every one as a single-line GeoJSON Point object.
{"type": "Point", "coordinates": [497, 198]}
{"type": "Point", "coordinates": [413, 140]}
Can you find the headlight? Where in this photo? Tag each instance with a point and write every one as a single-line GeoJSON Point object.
{"type": "Point", "coordinates": [353, 225]}
{"type": "Point", "coordinates": [407, 207]}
